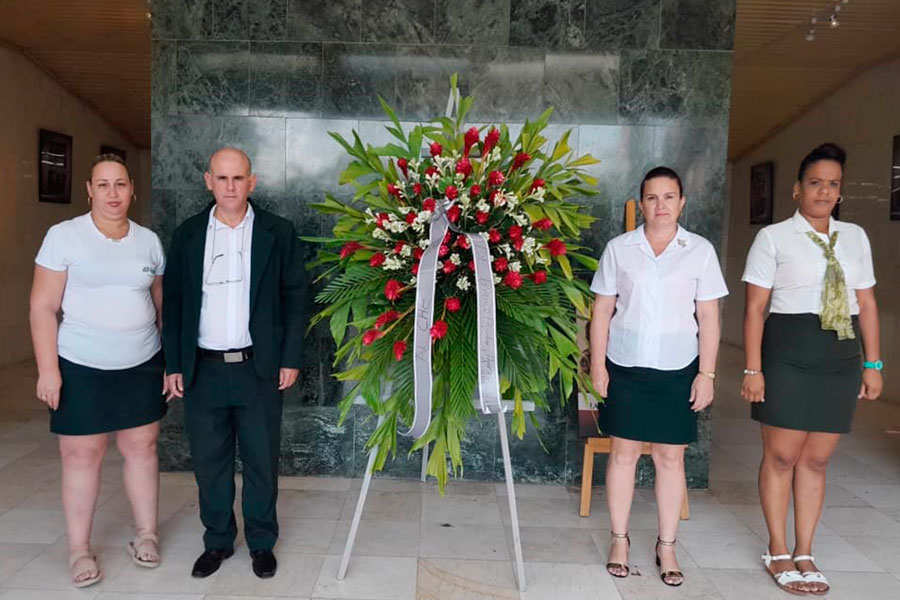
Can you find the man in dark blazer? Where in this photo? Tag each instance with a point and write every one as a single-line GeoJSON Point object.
{"type": "Point", "coordinates": [233, 319]}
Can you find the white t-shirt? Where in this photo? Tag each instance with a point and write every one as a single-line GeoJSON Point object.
{"type": "Point", "coordinates": [654, 325]}
{"type": "Point", "coordinates": [784, 259]}
{"type": "Point", "coordinates": [108, 317]}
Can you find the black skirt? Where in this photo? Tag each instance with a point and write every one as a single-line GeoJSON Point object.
{"type": "Point", "coordinates": [650, 405]}
{"type": "Point", "coordinates": [100, 401]}
{"type": "Point", "coordinates": [812, 377]}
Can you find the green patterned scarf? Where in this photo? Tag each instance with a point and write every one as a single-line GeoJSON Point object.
{"type": "Point", "coordinates": [835, 304]}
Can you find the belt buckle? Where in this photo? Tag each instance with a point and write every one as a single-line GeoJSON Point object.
{"type": "Point", "coordinates": [233, 357]}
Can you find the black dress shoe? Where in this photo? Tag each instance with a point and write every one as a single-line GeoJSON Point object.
{"type": "Point", "coordinates": [209, 562]}
{"type": "Point", "coordinates": [264, 563]}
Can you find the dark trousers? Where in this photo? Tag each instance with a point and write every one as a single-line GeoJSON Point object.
{"type": "Point", "coordinates": [226, 403]}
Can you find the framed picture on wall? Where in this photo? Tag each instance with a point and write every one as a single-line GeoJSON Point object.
{"type": "Point", "coordinates": [895, 180]}
{"type": "Point", "coordinates": [113, 150]}
{"type": "Point", "coordinates": [762, 181]}
{"type": "Point", "coordinates": [54, 167]}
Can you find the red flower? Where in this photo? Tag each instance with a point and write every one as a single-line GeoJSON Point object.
{"type": "Point", "coordinates": [417, 253]}
{"type": "Point", "coordinates": [449, 267]}
{"type": "Point", "coordinates": [429, 204]}
{"type": "Point", "coordinates": [382, 217]}
{"type": "Point", "coordinates": [518, 243]}
{"type": "Point", "coordinates": [513, 280]}
{"type": "Point", "coordinates": [464, 166]}
{"type": "Point", "coordinates": [520, 159]}
{"type": "Point", "coordinates": [514, 232]}
{"type": "Point", "coordinates": [436, 149]}
{"type": "Point", "coordinates": [463, 242]}
{"type": "Point", "coordinates": [404, 165]}
{"type": "Point", "coordinates": [543, 224]}
{"type": "Point", "coordinates": [349, 248]}
{"type": "Point", "coordinates": [438, 330]}
{"type": "Point", "coordinates": [453, 213]}
{"type": "Point", "coordinates": [495, 178]}
{"type": "Point", "coordinates": [500, 264]}
{"type": "Point", "coordinates": [452, 304]}
{"type": "Point", "coordinates": [398, 247]}
{"type": "Point", "coordinates": [490, 140]}
{"type": "Point", "coordinates": [443, 250]}
{"type": "Point", "coordinates": [377, 260]}
{"type": "Point", "coordinates": [411, 217]}
{"type": "Point", "coordinates": [386, 317]}
{"type": "Point", "coordinates": [451, 192]}
{"type": "Point", "coordinates": [393, 190]}
{"type": "Point", "coordinates": [417, 189]}
{"type": "Point", "coordinates": [475, 191]}
{"type": "Point", "coordinates": [482, 217]}
{"type": "Point", "coordinates": [492, 197]}
{"type": "Point", "coordinates": [493, 236]}
{"type": "Point", "coordinates": [537, 183]}
{"type": "Point", "coordinates": [431, 170]}
{"type": "Point", "coordinates": [556, 247]}
{"type": "Point", "coordinates": [399, 349]}
{"type": "Point", "coordinates": [446, 239]}
{"type": "Point", "coordinates": [469, 140]}
{"type": "Point", "coordinates": [472, 265]}
{"type": "Point", "coordinates": [392, 289]}
{"type": "Point", "coordinates": [371, 335]}
{"type": "Point", "coordinates": [415, 268]}
{"type": "Point", "coordinates": [539, 277]}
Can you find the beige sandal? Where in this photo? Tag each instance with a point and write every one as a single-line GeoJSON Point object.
{"type": "Point", "coordinates": [88, 558]}
{"type": "Point", "coordinates": [620, 567]}
{"type": "Point", "coordinates": [144, 544]}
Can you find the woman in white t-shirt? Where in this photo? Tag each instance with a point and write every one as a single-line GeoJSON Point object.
{"type": "Point", "coordinates": [654, 341]}
{"type": "Point", "coordinates": [95, 317]}
{"type": "Point", "coordinates": [804, 371]}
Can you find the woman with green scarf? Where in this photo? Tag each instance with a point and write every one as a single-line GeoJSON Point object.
{"type": "Point", "coordinates": [805, 366]}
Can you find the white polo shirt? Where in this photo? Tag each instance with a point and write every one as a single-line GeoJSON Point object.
{"type": "Point", "coordinates": [654, 325]}
{"type": "Point", "coordinates": [108, 317]}
{"type": "Point", "coordinates": [225, 291]}
{"type": "Point", "coordinates": [784, 259]}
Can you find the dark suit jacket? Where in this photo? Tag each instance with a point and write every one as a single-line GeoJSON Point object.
{"type": "Point", "coordinates": [278, 292]}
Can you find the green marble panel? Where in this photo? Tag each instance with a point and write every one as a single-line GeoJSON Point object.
{"type": "Point", "coordinates": [324, 20]}
{"type": "Point", "coordinates": [619, 24]}
{"type": "Point", "coordinates": [698, 24]}
{"type": "Point", "coordinates": [213, 78]}
{"type": "Point", "coordinates": [555, 24]}
{"type": "Point", "coordinates": [472, 22]}
{"type": "Point", "coordinates": [285, 79]}
{"type": "Point", "coordinates": [398, 21]}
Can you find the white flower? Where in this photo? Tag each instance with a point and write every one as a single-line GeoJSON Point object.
{"type": "Point", "coordinates": [538, 194]}
{"type": "Point", "coordinates": [485, 235]}
{"type": "Point", "coordinates": [521, 219]}
{"type": "Point", "coordinates": [413, 165]}
{"type": "Point", "coordinates": [505, 249]}
{"type": "Point", "coordinates": [392, 263]}
{"type": "Point", "coordinates": [497, 280]}
{"type": "Point", "coordinates": [454, 258]}
{"type": "Point", "coordinates": [515, 266]}
{"type": "Point", "coordinates": [381, 234]}
{"type": "Point", "coordinates": [433, 179]}
{"type": "Point", "coordinates": [412, 280]}
{"type": "Point", "coordinates": [424, 243]}
{"type": "Point", "coordinates": [406, 250]}
{"type": "Point", "coordinates": [541, 260]}
{"type": "Point", "coordinates": [483, 206]}
{"type": "Point", "coordinates": [465, 200]}
{"type": "Point", "coordinates": [418, 227]}
{"type": "Point", "coordinates": [495, 154]}
{"type": "Point", "coordinates": [423, 216]}
{"type": "Point", "coordinates": [406, 209]}
{"type": "Point", "coordinates": [529, 245]}
{"type": "Point", "coordinates": [463, 283]}
{"type": "Point", "coordinates": [511, 200]}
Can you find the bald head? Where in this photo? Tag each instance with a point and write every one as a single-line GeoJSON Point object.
{"type": "Point", "coordinates": [231, 180]}
{"type": "Point", "coordinates": [229, 153]}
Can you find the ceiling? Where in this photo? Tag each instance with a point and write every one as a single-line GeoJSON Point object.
{"type": "Point", "coordinates": [778, 75]}
{"type": "Point", "coordinates": [100, 51]}
{"type": "Point", "coordinates": [97, 49]}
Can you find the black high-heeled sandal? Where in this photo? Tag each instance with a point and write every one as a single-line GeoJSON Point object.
{"type": "Point", "coordinates": [614, 565]}
{"type": "Point", "coordinates": [672, 573]}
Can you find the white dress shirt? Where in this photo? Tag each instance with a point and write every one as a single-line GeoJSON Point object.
{"type": "Point", "coordinates": [225, 305]}
{"type": "Point", "coordinates": [784, 259]}
{"type": "Point", "coordinates": [108, 316]}
{"type": "Point", "coordinates": [654, 324]}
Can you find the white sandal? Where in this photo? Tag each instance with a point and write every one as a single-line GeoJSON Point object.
{"type": "Point", "coordinates": [144, 544]}
{"type": "Point", "coordinates": [813, 576]}
{"type": "Point", "coordinates": [784, 578]}
{"type": "Point", "coordinates": [89, 560]}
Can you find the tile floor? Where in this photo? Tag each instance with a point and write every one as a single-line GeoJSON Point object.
{"type": "Point", "coordinates": [414, 544]}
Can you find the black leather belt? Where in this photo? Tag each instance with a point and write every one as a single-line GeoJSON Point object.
{"type": "Point", "coordinates": [228, 356]}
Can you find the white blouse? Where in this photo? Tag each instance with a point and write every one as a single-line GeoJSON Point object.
{"type": "Point", "coordinates": [784, 259]}
{"type": "Point", "coordinates": [654, 324]}
{"type": "Point", "coordinates": [108, 316]}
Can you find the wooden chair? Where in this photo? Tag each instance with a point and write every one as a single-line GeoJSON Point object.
{"type": "Point", "coordinates": [601, 445]}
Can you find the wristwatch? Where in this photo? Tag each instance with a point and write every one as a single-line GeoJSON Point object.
{"type": "Point", "coordinates": [751, 372]}
{"type": "Point", "coordinates": [710, 374]}
{"type": "Point", "coordinates": [877, 365]}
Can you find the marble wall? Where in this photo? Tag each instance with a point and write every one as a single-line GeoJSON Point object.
{"type": "Point", "coordinates": [641, 82]}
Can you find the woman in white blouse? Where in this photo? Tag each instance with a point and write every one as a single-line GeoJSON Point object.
{"type": "Point", "coordinates": [654, 339]}
{"type": "Point", "coordinates": [95, 316]}
{"type": "Point", "coordinates": [803, 370]}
